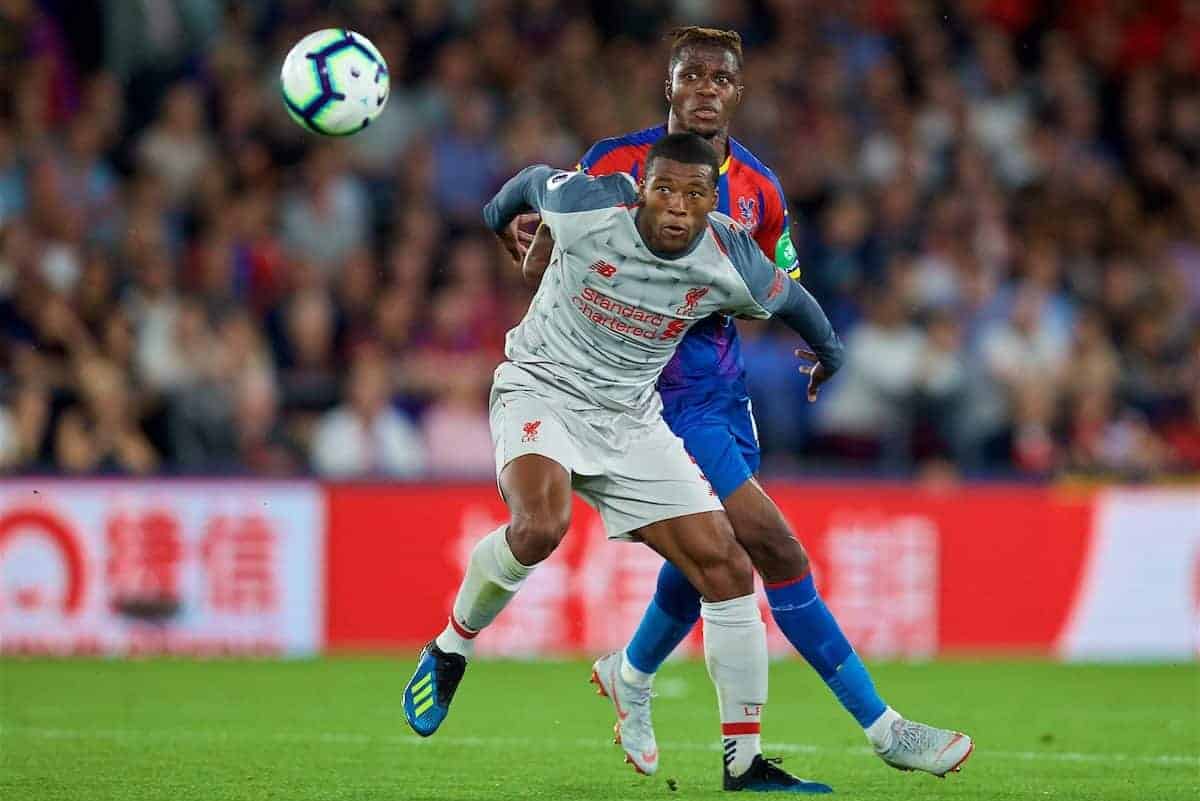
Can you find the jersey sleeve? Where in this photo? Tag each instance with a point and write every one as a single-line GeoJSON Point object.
{"type": "Point", "coordinates": [549, 191]}
{"type": "Point", "coordinates": [771, 294]}
{"type": "Point", "coordinates": [774, 234]}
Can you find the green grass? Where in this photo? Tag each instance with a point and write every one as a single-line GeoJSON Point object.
{"type": "Point", "coordinates": [333, 729]}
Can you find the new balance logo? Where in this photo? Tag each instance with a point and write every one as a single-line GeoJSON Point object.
{"type": "Point", "coordinates": [604, 268]}
{"type": "Point", "coordinates": [530, 430]}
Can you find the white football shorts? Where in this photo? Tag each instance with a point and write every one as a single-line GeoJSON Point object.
{"type": "Point", "coordinates": [632, 472]}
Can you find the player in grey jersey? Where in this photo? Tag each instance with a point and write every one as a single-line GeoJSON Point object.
{"type": "Point", "coordinates": [575, 407]}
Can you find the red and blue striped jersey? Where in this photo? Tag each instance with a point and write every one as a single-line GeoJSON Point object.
{"type": "Point", "coordinates": [710, 356]}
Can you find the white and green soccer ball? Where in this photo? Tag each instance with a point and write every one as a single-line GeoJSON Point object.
{"type": "Point", "coordinates": [334, 82]}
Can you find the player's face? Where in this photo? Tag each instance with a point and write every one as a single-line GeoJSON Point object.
{"type": "Point", "coordinates": [676, 201]}
{"type": "Point", "coordinates": [704, 89]}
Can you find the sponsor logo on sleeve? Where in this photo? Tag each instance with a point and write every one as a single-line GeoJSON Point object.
{"type": "Point", "coordinates": [558, 179]}
{"type": "Point", "coordinates": [785, 253]}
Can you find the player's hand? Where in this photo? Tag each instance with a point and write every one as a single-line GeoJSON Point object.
{"type": "Point", "coordinates": [516, 240]}
{"type": "Point", "coordinates": [537, 257]}
{"type": "Point", "coordinates": [816, 372]}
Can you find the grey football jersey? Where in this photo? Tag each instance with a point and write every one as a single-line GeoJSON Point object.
{"type": "Point", "coordinates": [609, 312]}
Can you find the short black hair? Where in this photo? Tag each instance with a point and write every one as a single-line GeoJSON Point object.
{"type": "Point", "coordinates": [686, 148]}
{"type": "Point", "coordinates": [711, 37]}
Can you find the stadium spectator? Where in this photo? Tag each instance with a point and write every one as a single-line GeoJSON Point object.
{"type": "Point", "coordinates": [365, 436]}
{"type": "Point", "coordinates": [326, 215]}
{"type": "Point", "coordinates": [177, 147]}
{"type": "Point", "coordinates": [456, 432]}
{"type": "Point", "coordinates": [100, 432]}
{"type": "Point", "coordinates": [262, 444]}
{"type": "Point", "coordinates": [868, 410]}
{"type": "Point", "coordinates": [466, 158]}
{"type": "Point", "coordinates": [10, 443]}
{"type": "Point", "coordinates": [306, 350]}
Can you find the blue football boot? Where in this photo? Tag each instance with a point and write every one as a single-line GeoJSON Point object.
{"type": "Point", "coordinates": [428, 693]}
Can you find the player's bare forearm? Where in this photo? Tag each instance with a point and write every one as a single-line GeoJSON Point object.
{"type": "Point", "coordinates": [537, 258]}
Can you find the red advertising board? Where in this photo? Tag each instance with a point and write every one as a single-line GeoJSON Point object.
{"type": "Point", "coordinates": [909, 572]}
{"type": "Point", "coordinates": [1000, 564]}
{"type": "Point", "coordinates": [289, 568]}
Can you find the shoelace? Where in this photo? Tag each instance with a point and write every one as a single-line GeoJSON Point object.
{"type": "Point", "coordinates": [914, 737]}
{"type": "Point", "coordinates": [771, 770]}
{"type": "Point", "coordinates": [641, 696]}
{"type": "Point", "coordinates": [449, 673]}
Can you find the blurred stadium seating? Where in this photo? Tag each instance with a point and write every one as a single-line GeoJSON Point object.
{"type": "Point", "coordinates": [998, 202]}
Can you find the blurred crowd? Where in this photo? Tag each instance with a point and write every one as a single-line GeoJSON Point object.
{"type": "Point", "coordinates": [997, 201]}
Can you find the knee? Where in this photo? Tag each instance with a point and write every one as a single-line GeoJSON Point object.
{"type": "Point", "coordinates": [771, 546]}
{"type": "Point", "coordinates": [534, 535]}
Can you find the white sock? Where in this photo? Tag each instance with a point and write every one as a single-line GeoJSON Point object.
{"type": "Point", "coordinates": [735, 650]}
{"type": "Point", "coordinates": [880, 732]}
{"type": "Point", "coordinates": [632, 676]}
{"type": "Point", "coordinates": [493, 577]}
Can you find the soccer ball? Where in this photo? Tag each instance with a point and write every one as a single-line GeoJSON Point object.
{"type": "Point", "coordinates": [334, 82]}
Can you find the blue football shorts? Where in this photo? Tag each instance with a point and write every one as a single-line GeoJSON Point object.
{"type": "Point", "coordinates": [720, 434]}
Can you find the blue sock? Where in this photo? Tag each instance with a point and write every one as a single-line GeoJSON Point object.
{"type": "Point", "coordinates": [811, 629]}
{"type": "Point", "coordinates": [668, 619]}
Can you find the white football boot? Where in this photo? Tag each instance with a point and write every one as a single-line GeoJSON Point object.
{"type": "Point", "coordinates": [633, 730]}
{"type": "Point", "coordinates": [916, 746]}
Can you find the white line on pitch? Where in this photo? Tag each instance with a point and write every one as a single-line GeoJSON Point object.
{"type": "Point", "coordinates": [350, 738]}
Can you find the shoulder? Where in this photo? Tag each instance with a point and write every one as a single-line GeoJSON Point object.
{"type": "Point", "coordinates": [743, 252]}
{"type": "Point", "coordinates": [732, 237]}
{"type": "Point", "coordinates": [567, 192]}
{"type": "Point", "coordinates": [619, 152]}
{"type": "Point", "coordinates": [750, 162]}
{"type": "Point", "coordinates": [754, 170]}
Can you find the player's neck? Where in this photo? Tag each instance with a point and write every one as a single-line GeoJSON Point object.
{"type": "Point", "coordinates": [719, 140]}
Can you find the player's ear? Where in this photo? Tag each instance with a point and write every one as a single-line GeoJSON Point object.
{"type": "Point", "coordinates": [667, 89]}
{"type": "Point", "coordinates": [641, 192]}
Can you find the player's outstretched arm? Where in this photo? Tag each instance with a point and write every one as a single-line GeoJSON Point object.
{"type": "Point", "coordinates": [521, 193]}
{"type": "Point", "coordinates": [772, 294]}
{"type": "Point", "coordinates": [800, 311]}
{"type": "Point", "coordinates": [560, 197]}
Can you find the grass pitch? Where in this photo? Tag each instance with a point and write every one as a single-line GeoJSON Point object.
{"type": "Point", "coordinates": [333, 729]}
